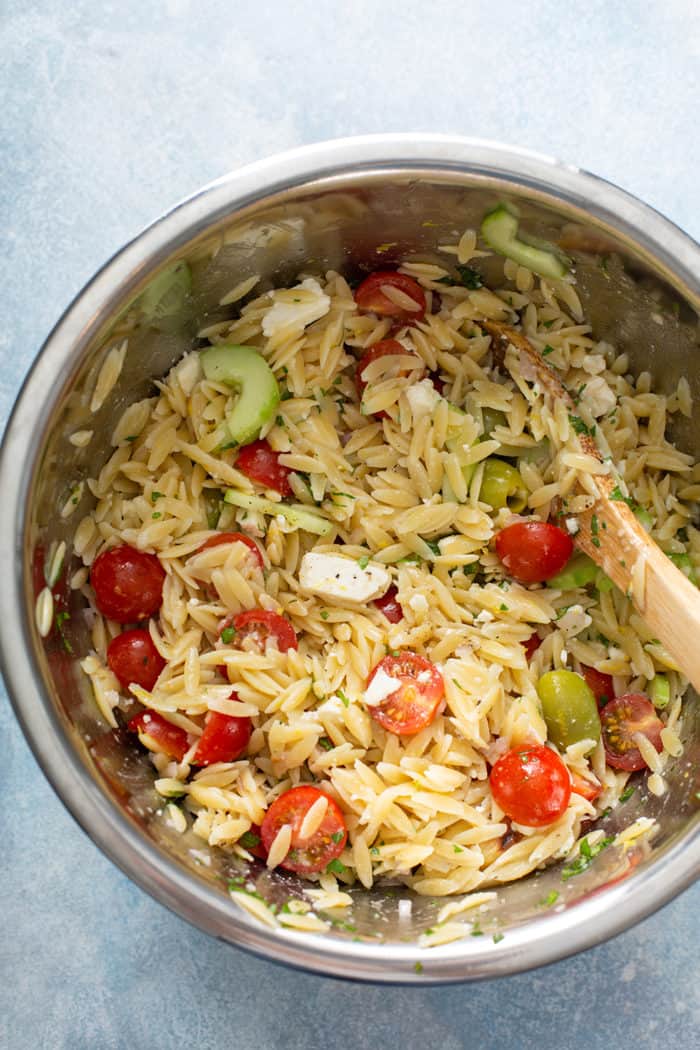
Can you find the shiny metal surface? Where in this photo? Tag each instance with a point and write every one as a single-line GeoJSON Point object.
{"type": "Point", "coordinates": [351, 204]}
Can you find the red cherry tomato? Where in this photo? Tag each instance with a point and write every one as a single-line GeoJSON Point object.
{"type": "Point", "coordinates": [532, 645]}
{"type": "Point", "coordinates": [306, 855]}
{"type": "Point", "coordinates": [370, 297]}
{"type": "Point", "coordinates": [133, 657]}
{"type": "Point", "coordinates": [390, 606]}
{"type": "Point", "coordinates": [224, 739]}
{"type": "Point", "coordinates": [385, 348]}
{"type": "Point", "coordinates": [234, 537]}
{"type": "Point", "coordinates": [259, 463]}
{"type": "Point", "coordinates": [533, 551]}
{"type": "Point", "coordinates": [260, 625]}
{"type": "Point", "coordinates": [418, 698]}
{"type": "Point", "coordinates": [157, 734]}
{"type": "Point", "coordinates": [252, 841]}
{"type": "Point", "coordinates": [588, 789]}
{"type": "Point", "coordinates": [620, 719]}
{"type": "Point", "coordinates": [128, 584]}
{"type": "Point", "coordinates": [601, 685]}
{"type": "Point", "coordinates": [531, 785]}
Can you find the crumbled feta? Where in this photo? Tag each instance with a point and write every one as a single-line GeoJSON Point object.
{"type": "Point", "coordinates": [335, 577]}
{"type": "Point", "coordinates": [419, 603]}
{"type": "Point", "coordinates": [573, 621]}
{"type": "Point", "coordinates": [313, 304]}
{"type": "Point", "coordinates": [594, 364]}
{"type": "Point", "coordinates": [422, 398]}
{"type": "Point", "coordinates": [572, 526]}
{"type": "Point", "coordinates": [599, 397]}
{"type": "Point", "coordinates": [484, 617]}
{"type": "Point", "coordinates": [381, 686]}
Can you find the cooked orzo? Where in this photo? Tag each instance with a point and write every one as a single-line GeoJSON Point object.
{"type": "Point", "coordinates": [333, 582]}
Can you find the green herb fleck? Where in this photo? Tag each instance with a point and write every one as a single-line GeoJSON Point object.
{"type": "Point", "coordinates": [547, 350]}
{"type": "Point", "coordinates": [616, 495]}
{"type": "Point", "coordinates": [131, 437]}
{"type": "Point", "coordinates": [627, 793]}
{"type": "Point", "coordinates": [549, 900]}
{"type": "Point", "coordinates": [336, 867]}
{"type": "Point", "coordinates": [418, 967]}
{"type": "Point", "coordinates": [470, 278]}
{"type": "Point", "coordinates": [156, 514]}
{"type": "Point", "coordinates": [227, 635]}
{"type": "Point", "coordinates": [585, 858]}
{"type": "Point", "coordinates": [363, 562]}
{"type": "Point", "coordinates": [325, 743]}
{"type": "Point", "coordinates": [498, 937]}
{"type": "Point", "coordinates": [337, 837]}
{"type": "Point", "coordinates": [374, 851]}
{"type": "Point", "coordinates": [434, 546]}
{"type": "Point", "coordinates": [343, 697]}
{"type": "Point", "coordinates": [458, 849]}
{"type": "Point", "coordinates": [594, 525]}
{"type": "Point", "coordinates": [156, 496]}
{"type": "Point", "coordinates": [249, 840]}
{"type": "Point", "coordinates": [503, 607]}
{"type": "Point", "coordinates": [324, 614]}
{"type": "Point", "coordinates": [578, 425]}
{"type": "Point", "coordinates": [476, 930]}
{"type": "Point", "coordinates": [548, 324]}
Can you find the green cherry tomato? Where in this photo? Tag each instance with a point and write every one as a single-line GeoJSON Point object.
{"type": "Point", "coordinates": [569, 708]}
{"type": "Point", "coordinates": [502, 486]}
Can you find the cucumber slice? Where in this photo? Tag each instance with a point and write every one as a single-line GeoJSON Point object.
{"type": "Point", "coordinates": [295, 513]}
{"type": "Point", "coordinates": [499, 229]}
{"type": "Point", "coordinates": [247, 370]}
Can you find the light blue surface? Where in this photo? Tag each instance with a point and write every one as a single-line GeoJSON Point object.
{"type": "Point", "coordinates": [109, 113]}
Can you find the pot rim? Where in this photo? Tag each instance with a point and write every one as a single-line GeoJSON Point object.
{"type": "Point", "coordinates": [323, 165]}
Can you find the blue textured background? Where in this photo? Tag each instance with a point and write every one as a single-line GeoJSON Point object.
{"type": "Point", "coordinates": [109, 112]}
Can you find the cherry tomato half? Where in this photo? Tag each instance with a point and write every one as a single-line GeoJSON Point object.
{"type": "Point", "coordinates": [588, 789]}
{"type": "Point", "coordinates": [224, 739]}
{"type": "Point", "coordinates": [260, 625]}
{"type": "Point", "coordinates": [533, 551]}
{"type": "Point", "coordinates": [385, 348]}
{"type": "Point", "coordinates": [531, 785]}
{"type": "Point", "coordinates": [601, 685]}
{"type": "Point", "coordinates": [620, 719]}
{"type": "Point", "coordinates": [157, 734]}
{"type": "Point", "coordinates": [532, 645]}
{"type": "Point", "coordinates": [133, 657]}
{"type": "Point", "coordinates": [389, 605]}
{"type": "Point", "coordinates": [234, 537]}
{"type": "Point", "coordinates": [262, 465]}
{"type": "Point", "coordinates": [306, 855]}
{"type": "Point", "coordinates": [417, 699]}
{"type": "Point", "coordinates": [370, 297]}
{"type": "Point", "coordinates": [128, 584]}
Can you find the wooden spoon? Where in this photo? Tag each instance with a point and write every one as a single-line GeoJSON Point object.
{"type": "Point", "coordinates": [611, 536]}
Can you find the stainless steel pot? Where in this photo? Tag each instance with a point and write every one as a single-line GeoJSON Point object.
{"type": "Point", "coordinates": [353, 204]}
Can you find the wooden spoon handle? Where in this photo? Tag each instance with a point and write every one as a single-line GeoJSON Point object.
{"type": "Point", "coordinates": [612, 537]}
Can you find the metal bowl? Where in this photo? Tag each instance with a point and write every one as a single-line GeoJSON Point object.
{"type": "Point", "coordinates": [353, 204]}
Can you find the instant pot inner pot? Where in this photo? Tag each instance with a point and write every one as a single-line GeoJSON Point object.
{"type": "Point", "coordinates": [353, 225]}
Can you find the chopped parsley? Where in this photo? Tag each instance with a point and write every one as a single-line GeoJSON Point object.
{"type": "Point", "coordinates": [616, 495]}
{"type": "Point", "coordinates": [498, 937]}
{"type": "Point", "coordinates": [476, 930]}
{"type": "Point", "coordinates": [579, 426]}
{"type": "Point", "coordinates": [343, 697]}
{"type": "Point", "coordinates": [503, 607]}
{"type": "Point", "coordinates": [325, 743]}
{"type": "Point", "coordinates": [548, 324]}
{"type": "Point", "coordinates": [156, 496]}
{"type": "Point", "coordinates": [547, 350]}
{"type": "Point", "coordinates": [337, 837]}
{"type": "Point", "coordinates": [587, 853]}
{"type": "Point", "coordinates": [324, 614]}
{"type": "Point", "coordinates": [470, 278]}
{"type": "Point", "coordinates": [156, 514]}
{"type": "Point", "coordinates": [434, 546]}
{"type": "Point", "coordinates": [627, 793]}
{"type": "Point", "coordinates": [458, 849]}
{"type": "Point", "coordinates": [336, 867]}
{"type": "Point", "coordinates": [131, 437]}
{"type": "Point", "coordinates": [227, 635]}
{"type": "Point", "coordinates": [550, 899]}
{"type": "Point", "coordinates": [249, 840]}
{"type": "Point", "coordinates": [374, 850]}
{"type": "Point", "coordinates": [363, 562]}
